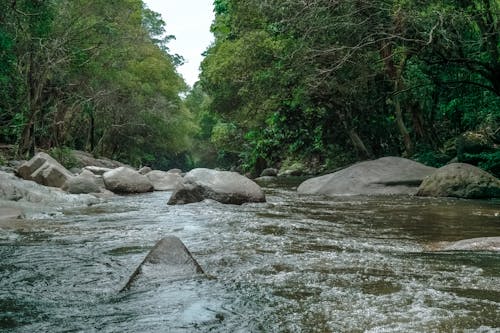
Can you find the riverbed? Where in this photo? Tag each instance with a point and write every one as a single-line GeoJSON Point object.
{"type": "Point", "coordinates": [293, 264]}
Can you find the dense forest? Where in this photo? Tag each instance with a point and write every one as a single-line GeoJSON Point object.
{"type": "Point", "coordinates": [318, 83]}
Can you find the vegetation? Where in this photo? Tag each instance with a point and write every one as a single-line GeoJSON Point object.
{"type": "Point", "coordinates": [331, 82]}
{"type": "Point", "coordinates": [91, 75]}
{"type": "Point", "coordinates": [317, 83]}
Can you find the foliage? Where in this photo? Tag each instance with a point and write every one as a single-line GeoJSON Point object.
{"type": "Point", "coordinates": [64, 156]}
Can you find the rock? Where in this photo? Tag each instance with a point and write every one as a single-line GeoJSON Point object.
{"type": "Point", "coordinates": [460, 180]}
{"type": "Point", "coordinates": [9, 213]}
{"type": "Point", "coordinates": [14, 189]}
{"type": "Point", "coordinates": [179, 171]}
{"type": "Point", "coordinates": [269, 172]}
{"type": "Point", "coordinates": [266, 179]}
{"type": "Point", "coordinates": [97, 170]}
{"type": "Point", "coordinates": [169, 259]}
{"type": "Point", "coordinates": [474, 244]}
{"type": "Point", "coordinates": [86, 182]}
{"type": "Point", "coordinates": [126, 180]}
{"type": "Point", "coordinates": [164, 181]}
{"type": "Point", "coordinates": [387, 175]}
{"type": "Point", "coordinates": [86, 159]}
{"type": "Point", "coordinates": [470, 144]}
{"type": "Point", "coordinates": [145, 170]}
{"type": "Point", "coordinates": [45, 170]}
{"type": "Point", "coordinates": [296, 169]}
{"type": "Point", "coordinates": [222, 186]}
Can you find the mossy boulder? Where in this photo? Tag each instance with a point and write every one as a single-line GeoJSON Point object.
{"type": "Point", "coordinates": [460, 180]}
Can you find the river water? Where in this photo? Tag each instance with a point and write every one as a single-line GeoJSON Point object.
{"type": "Point", "coordinates": [293, 264]}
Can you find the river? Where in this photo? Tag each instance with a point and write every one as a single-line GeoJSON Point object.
{"type": "Point", "coordinates": [293, 264]}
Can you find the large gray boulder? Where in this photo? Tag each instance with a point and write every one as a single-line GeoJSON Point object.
{"type": "Point", "coordinates": [44, 170]}
{"type": "Point", "coordinates": [168, 260]}
{"type": "Point", "coordinates": [164, 181]}
{"type": "Point", "coordinates": [222, 186]}
{"type": "Point", "coordinates": [86, 159]}
{"type": "Point", "coordinates": [19, 191]}
{"type": "Point", "coordinates": [125, 180]}
{"type": "Point", "coordinates": [474, 244]}
{"type": "Point", "coordinates": [85, 182]}
{"type": "Point", "coordinates": [386, 175]}
{"type": "Point", "coordinates": [460, 180]}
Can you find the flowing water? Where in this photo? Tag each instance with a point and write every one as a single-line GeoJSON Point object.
{"type": "Point", "coordinates": [293, 264]}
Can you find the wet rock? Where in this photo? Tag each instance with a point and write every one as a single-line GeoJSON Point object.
{"type": "Point", "coordinates": [145, 170]}
{"type": "Point", "coordinates": [460, 180]}
{"type": "Point", "coordinates": [97, 170]}
{"type": "Point", "coordinates": [222, 186]}
{"type": "Point", "coordinates": [269, 172]}
{"type": "Point", "coordinates": [45, 170]}
{"type": "Point", "coordinates": [126, 180]}
{"type": "Point", "coordinates": [387, 175]}
{"type": "Point", "coordinates": [473, 244]}
{"type": "Point", "coordinates": [169, 259]}
{"type": "Point", "coordinates": [85, 182]}
{"type": "Point", "coordinates": [164, 181]}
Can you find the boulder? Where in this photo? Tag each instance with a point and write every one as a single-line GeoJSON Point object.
{"type": "Point", "coordinates": [387, 175]}
{"type": "Point", "coordinates": [179, 171]}
{"type": "Point", "coordinates": [14, 189]}
{"type": "Point", "coordinates": [126, 180]}
{"type": "Point", "coordinates": [86, 159]}
{"type": "Point", "coordinates": [222, 186]}
{"type": "Point", "coordinates": [85, 182]}
{"type": "Point", "coordinates": [164, 181]}
{"type": "Point", "coordinates": [169, 259]}
{"type": "Point", "coordinates": [145, 170]}
{"type": "Point", "coordinates": [44, 170]}
{"type": "Point", "coordinates": [296, 169]}
{"type": "Point", "coordinates": [266, 179]}
{"type": "Point", "coordinates": [474, 244]}
{"type": "Point", "coordinates": [269, 172]}
{"type": "Point", "coordinates": [460, 180]}
{"type": "Point", "coordinates": [96, 170]}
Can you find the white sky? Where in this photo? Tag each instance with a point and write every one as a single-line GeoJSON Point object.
{"type": "Point", "coordinates": [189, 21]}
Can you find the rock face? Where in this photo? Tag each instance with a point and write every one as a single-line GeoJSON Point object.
{"type": "Point", "coordinates": [222, 186]}
{"type": "Point", "coordinates": [145, 170]}
{"type": "Point", "coordinates": [125, 180]}
{"type": "Point", "coordinates": [85, 182]}
{"type": "Point", "coordinates": [461, 181]}
{"type": "Point", "coordinates": [387, 175]}
{"type": "Point", "coordinates": [164, 181]}
{"type": "Point", "coordinates": [169, 259]}
{"type": "Point", "coordinates": [45, 170]}
{"type": "Point", "coordinates": [474, 244]}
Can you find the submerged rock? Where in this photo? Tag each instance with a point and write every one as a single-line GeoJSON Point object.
{"type": "Point", "coordinates": [222, 186]}
{"type": "Point", "coordinates": [126, 180]}
{"type": "Point", "coordinates": [164, 181]}
{"type": "Point", "coordinates": [169, 259]}
{"type": "Point", "coordinates": [460, 180]}
{"type": "Point", "coordinates": [45, 170]}
{"type": "Point", "coordinates": [387, 175]}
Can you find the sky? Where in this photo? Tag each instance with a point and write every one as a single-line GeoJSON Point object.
{"type": "Point", "coordinates": [189, 21]}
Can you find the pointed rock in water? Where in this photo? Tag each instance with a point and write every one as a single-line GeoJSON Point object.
{"type": "Point", "coordinates": [386, 175]}
{"type": "Point", "coordinates": [169, 259]}
{"type": "Point", "coordinates": [223, 186]}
